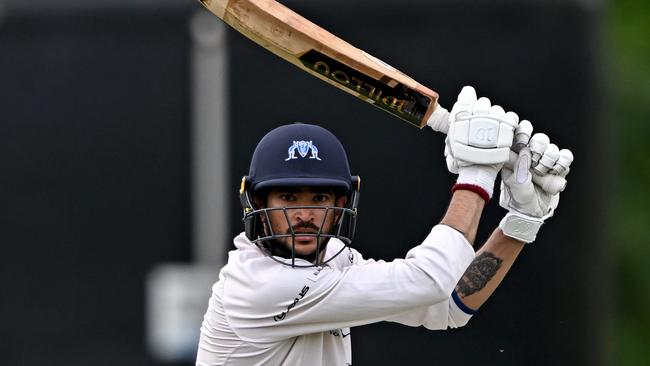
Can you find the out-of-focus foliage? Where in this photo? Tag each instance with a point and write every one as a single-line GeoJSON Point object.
{"type": "Point", "coordinates": [628, 35]}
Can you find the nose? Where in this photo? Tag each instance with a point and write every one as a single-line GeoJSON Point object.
{"type": "Point", "coordinates": [303, 214]}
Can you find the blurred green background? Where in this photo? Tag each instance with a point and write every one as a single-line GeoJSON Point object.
{"type": "Point", "coordinates": [628, 76]}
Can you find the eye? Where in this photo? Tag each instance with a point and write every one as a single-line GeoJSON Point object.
{"type": "Point", "coordinates": [321, 198]}
{"type": "Point", "coordinates": [288, 197]}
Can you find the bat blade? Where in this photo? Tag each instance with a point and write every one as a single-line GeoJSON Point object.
{"type": "Point", "coordinates": [327, 57]}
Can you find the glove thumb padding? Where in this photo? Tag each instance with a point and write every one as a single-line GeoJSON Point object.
{"type": "Point", "coordinates": [517, 177]}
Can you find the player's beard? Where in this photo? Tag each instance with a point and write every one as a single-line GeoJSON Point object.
{"type": "Point", "coordinates": [283, 247]}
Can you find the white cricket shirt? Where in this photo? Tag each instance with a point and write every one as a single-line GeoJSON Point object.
{"type": "Point", "coordinates": [265, 313]}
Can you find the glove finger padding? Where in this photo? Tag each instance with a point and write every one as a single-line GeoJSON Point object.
{"type": "Point", "coordinates": [563, 163]}
{"type": "Point", "coordinates": [547, 160]}
{"type": "Point", "coordinates": [553, 166]}
{"type": "Point", "coordinates": [482, 106]}
{"type": "Point", "coordinates": [523, 132]}
{"type": "Point", "coordinates": [538, 144]}
{"type": "Point", "coordinates": [464, 103]}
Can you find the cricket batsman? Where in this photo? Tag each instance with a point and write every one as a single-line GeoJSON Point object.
{"type": "Point", "coordinates": [294, 286]}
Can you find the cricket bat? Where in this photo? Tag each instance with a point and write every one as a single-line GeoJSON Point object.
{"type": "Point", "coordinates": [331, 59]}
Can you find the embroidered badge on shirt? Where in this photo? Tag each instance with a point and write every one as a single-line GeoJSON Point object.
{"type": "Point", "coordinates": [302, 147]}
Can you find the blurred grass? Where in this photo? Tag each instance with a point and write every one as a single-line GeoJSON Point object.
{"type": "Point", "coordinates": [628, 35]}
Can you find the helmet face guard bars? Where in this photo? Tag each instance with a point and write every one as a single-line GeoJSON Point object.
{"type": "Point", "coordinates": [259, 231]}
{"type": "Point", "coordinates": [342, 230]}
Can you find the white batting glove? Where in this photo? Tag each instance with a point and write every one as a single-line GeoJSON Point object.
{"type": "Point", "coordinates": [478, 142]}
{"type": "Point", "coordinates": [531, 183]}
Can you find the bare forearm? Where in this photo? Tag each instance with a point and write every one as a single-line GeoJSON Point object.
{"type": "Point", "coordinates": [492, 263]}
{"type": "Point", "coordinates": [464, 213]}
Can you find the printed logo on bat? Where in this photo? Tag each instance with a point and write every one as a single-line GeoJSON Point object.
{"type": "Point", "coordinates": [390, 95]}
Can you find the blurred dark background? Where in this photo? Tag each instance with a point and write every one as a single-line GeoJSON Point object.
{"type": "Point", "coordinates": [99, 128]}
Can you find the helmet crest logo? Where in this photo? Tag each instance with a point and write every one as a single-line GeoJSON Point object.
{"type": "Point", "coordinates": [302, 147]}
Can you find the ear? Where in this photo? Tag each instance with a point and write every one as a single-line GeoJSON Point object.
{"type": "Point", "coordinates": [340, 202]}
{"type": "Point", "coordinates": [259, 201]}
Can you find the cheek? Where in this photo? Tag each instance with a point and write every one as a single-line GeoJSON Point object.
{"type": "Point", "coordinates": [329, 219]}
{"type": "Point", "coordinates": [278, 220]}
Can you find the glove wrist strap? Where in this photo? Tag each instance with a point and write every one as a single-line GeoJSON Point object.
{"type": "Point", "coordinates": [472, 187]}
{"type": "Point", "coordinates": [521, 227]}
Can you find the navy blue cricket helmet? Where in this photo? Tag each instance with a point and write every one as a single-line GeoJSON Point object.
{"type": "Point", "coordinates": [299, 155]}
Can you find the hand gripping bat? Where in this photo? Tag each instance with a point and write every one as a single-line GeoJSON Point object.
{"type": "Point", "coordinates": [329, 58]}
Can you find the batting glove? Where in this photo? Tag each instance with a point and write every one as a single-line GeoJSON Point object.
{"type": "Point", "coordinates": [478, 142]}
{"type": "Point", "coordinates": [531, 183]}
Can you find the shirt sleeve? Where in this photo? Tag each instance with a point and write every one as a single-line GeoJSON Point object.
{"type": "Point", "coordinates": [440, 316]}
{"type": "Point", "coordinates": [414, 291]}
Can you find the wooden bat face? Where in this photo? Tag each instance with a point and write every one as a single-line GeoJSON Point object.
{"type": "Point", "coordinates": [329, 58]}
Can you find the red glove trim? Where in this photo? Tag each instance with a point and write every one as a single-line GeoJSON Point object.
{"type": "Point", "coordinates": [472, 187]}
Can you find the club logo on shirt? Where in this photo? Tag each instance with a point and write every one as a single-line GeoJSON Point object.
{"type": "Point", "coordinates": [302, 147]}
{"type": "Point", "coordinates": [283, 314]}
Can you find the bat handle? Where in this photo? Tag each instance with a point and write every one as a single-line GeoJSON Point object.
{"type": "Point", "coordinates": [439, 119]}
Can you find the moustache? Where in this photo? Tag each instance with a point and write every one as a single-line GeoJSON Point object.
{"type": "Point", "coordinates": [302, 225]}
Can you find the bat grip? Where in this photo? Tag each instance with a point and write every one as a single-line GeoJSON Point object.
{"type": "Point", "coordinates": [439, 119]}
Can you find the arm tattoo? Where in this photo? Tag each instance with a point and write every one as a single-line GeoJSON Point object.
{"type": "Point", "coordinates": [478, 274]}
